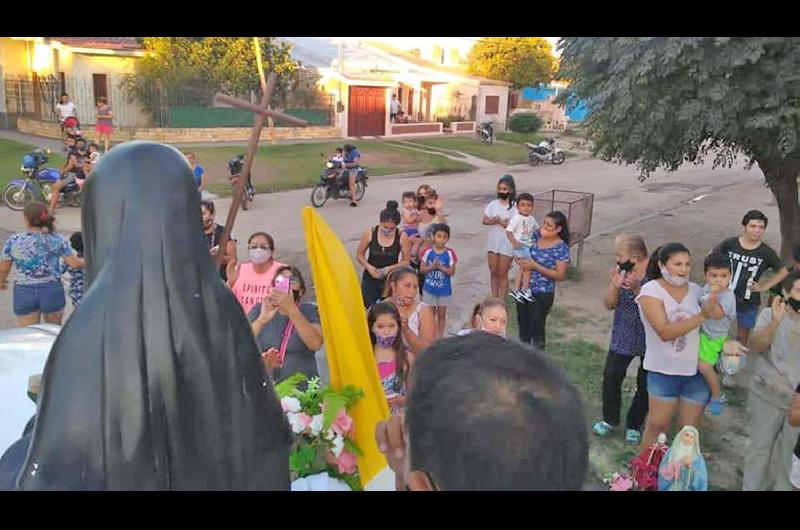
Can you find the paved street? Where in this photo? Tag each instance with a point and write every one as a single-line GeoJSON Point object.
{"type": "Point", "coordinates": [620, 201]}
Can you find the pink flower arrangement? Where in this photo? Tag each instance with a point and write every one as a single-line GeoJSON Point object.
{"type": "Point", "coordinates": [346, 463]}
{"type": "Point", "coordinates": [324, 433]}
{"type": "Point", "coordinates": [343, 425]}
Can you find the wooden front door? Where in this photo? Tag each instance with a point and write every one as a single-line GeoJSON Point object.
{"type": "Point", "coordinates": [367, 111]}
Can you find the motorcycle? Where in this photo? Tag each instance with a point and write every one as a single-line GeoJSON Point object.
{"type": "Point", "coordinates": [485, 132]}
{"type": "Point", "coordinates": [235, 165]}
{"type": "Point", "coordinates": [333, 183]}
{"type": "Point", "coordinates": [545, 151]}
{"type": "Point", "coordinates": [38, 184]}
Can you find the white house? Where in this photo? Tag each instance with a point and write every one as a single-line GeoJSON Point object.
{"type": "Point", "coordinates": [363, 76]}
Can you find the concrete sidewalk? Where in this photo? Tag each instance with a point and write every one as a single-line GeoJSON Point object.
{"type": "Point", "coordinates": [38, 141]}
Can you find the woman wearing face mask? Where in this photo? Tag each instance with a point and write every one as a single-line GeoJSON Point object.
{"type": "Point", "coordinates": [281, 322]}
{"type": "Point", "coordinates": [548, 265]}
{"type": "Point", "coordinates": [490, 316]}
{"type": "Point", "coordinates": [499, 250]}
{"type": "Point", "coordinates": [670, 310]}
{"type": "Point", "coordinates": [385, 243]}
{"type": "Point", "coordinates": [394, 360]}
{"type": "Point", "coordinates": [627, 338]}
{"type": "Point", "coordinates": [213, 233]}
{"type": "Point", "coordinates": [417, 319]}
{"type": "Point", "coordinates": [251, 281]}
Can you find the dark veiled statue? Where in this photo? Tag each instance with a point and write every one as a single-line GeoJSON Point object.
{"type": "Point", "coordinates": [155, 382]}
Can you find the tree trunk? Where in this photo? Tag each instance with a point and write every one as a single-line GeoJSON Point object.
{"type": "Point", "coordinates": [782, 180]}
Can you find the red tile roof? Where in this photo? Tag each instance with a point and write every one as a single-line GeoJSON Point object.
{"type": "Point", "coordinates": [104, 43]}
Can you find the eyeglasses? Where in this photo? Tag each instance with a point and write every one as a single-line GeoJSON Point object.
{"type": "Point", "coordinates": [262, 247]}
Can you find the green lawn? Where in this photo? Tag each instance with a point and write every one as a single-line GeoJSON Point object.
{"type": "Point", "coordinates": [520, 138]}
{"type": "Point", "coordinates": [501, 152]}
{"type": "Point", "coordinates": [583, 361]}
{"type": "Point", "coordinates": [293, 166]}
{"type": "Point", "coordinates": [11, 154]}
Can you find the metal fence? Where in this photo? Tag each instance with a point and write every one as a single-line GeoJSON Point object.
{"type": "Point", "coordinates": [192, 105]}
{"type": "Point", "coordinates": [188, 106]}
{"type": "Point", "coordinates": [578, 208]}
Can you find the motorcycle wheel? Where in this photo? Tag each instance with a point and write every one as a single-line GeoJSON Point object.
{"type": "Point", "coordinates": [319, 195]}
{"type": "Point", "coordinates": [16, 197]}
{"type": "Point", "coordinates": [47, 192]}
{"type": "Point", "coordinates": [533, 159]}
{"type": "Point", "coordinates": [559, 158]}
{"type": "Point", "coordinates": [361, 188]}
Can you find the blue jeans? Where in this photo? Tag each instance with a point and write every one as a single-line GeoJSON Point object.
{"type": "Point", "coordinates": [39, 297]}
{"type": "Point", "coordinates": [670, 387]}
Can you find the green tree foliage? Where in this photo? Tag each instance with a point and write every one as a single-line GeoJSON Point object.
{"type": "Point", "coordinates": [194, 68]}
{"type": "Point", "coordinates": [660, 102]}
{"type": "Point", "coordinates": [521, 61]}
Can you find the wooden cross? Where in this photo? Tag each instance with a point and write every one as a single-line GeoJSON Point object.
{"type": "Point", "coordinates": [262, 112]}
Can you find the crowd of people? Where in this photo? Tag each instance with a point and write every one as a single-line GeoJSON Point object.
{"type": "Point", "coordinates": [680, 331]}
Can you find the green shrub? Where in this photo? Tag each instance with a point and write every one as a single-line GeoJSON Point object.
{"type": "Point", "coordinates": [447, 120]}
{"type": "Point", "coordinates": [525, 122]}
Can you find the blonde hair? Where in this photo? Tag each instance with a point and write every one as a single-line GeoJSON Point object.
{"type": "Point", "coordinates": [632, 244]}
{"type": "Point", "coordinates": [483, 306]}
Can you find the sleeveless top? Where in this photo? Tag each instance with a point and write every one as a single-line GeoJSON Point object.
{"type": "Point", "coordinates": [251, 287]}
{"type": "Point", "coordinates": [382, 257]}
{"type": "Point", "coordinates": [388, 374]}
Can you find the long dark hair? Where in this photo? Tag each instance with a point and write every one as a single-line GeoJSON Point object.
{"type": "Point", "coordinates": [508, 180]}
{"type": "Point", "coordinates": [561, 221]}
{"type": "Point", "coordinates": [661, 256]}
{"type": "Point", "coordinates": [38, 217]}
{"type": "Point", "coordinates": [401, 359]}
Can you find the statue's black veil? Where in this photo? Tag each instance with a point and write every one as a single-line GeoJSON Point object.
{"type": "Point", "coordinates": [155, 383]}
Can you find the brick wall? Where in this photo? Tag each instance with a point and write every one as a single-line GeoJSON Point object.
{"type": "Point", "coordinates": [416, 128]}
{"type": "Point", "coordinates": [179, 136]}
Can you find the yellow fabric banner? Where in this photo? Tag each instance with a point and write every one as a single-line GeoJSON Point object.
{"type": "Point", "coordinates": [347, 343]}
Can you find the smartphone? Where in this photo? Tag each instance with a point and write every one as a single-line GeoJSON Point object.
{"type": "Point", "coordinates": [283, 284]}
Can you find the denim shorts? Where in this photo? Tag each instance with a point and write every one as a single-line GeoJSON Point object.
{"type": "Point", "coordinates": [42, 297]}
{"type": "Point", "coordinates": [434, 300]}
{"type": "Point", "coordinates": [746, 318]}
{"type": "Point", "coordinates": [522, 252]}
{"type": "Point", "coordinates": [670, 387]}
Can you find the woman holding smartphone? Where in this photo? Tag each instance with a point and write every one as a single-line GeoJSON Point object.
{"type": "Point", "coordinates": [287, 330]}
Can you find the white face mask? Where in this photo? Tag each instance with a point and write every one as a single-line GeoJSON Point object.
{"type": "Point", "coordinates": [259, 255]}
{"type": "Point", "coordinates": [675, 281]}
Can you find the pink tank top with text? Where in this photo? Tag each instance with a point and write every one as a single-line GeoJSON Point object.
{"type": "Point", "coordinates": [251, 287]}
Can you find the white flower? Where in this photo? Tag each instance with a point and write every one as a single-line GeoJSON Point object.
{"type": "Point", "coordinates": [338, 445]}
{"type": "Point", "coordinates": [299, 422]}
{"type": "Point", "coordinates": [316, 424]}
{"type": "Point", "coordinates": [290, 404]}
{"type": "Point", "coordinates": [329, 435]}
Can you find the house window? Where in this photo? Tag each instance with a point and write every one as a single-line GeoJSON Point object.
{"type": "Point", "coordinates": [100, 86]}
{"type": "Point", "coordinates": [492, 105]}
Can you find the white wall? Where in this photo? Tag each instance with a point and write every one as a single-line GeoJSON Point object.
{"type": "Point", "coordinates": [499, 119]}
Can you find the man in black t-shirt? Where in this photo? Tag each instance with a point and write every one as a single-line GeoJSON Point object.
{"type": "Point", "coordinates": [750, 258]}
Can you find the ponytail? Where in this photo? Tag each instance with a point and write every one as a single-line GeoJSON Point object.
{"type": "Point", "coordinates": [37, 216]}
{"type": "Point", "coordinates": [653, 269]}
{"type": "Point", "coordinates": [661, 256]}
{"type": "Point", "coordinates": [561, 221]}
